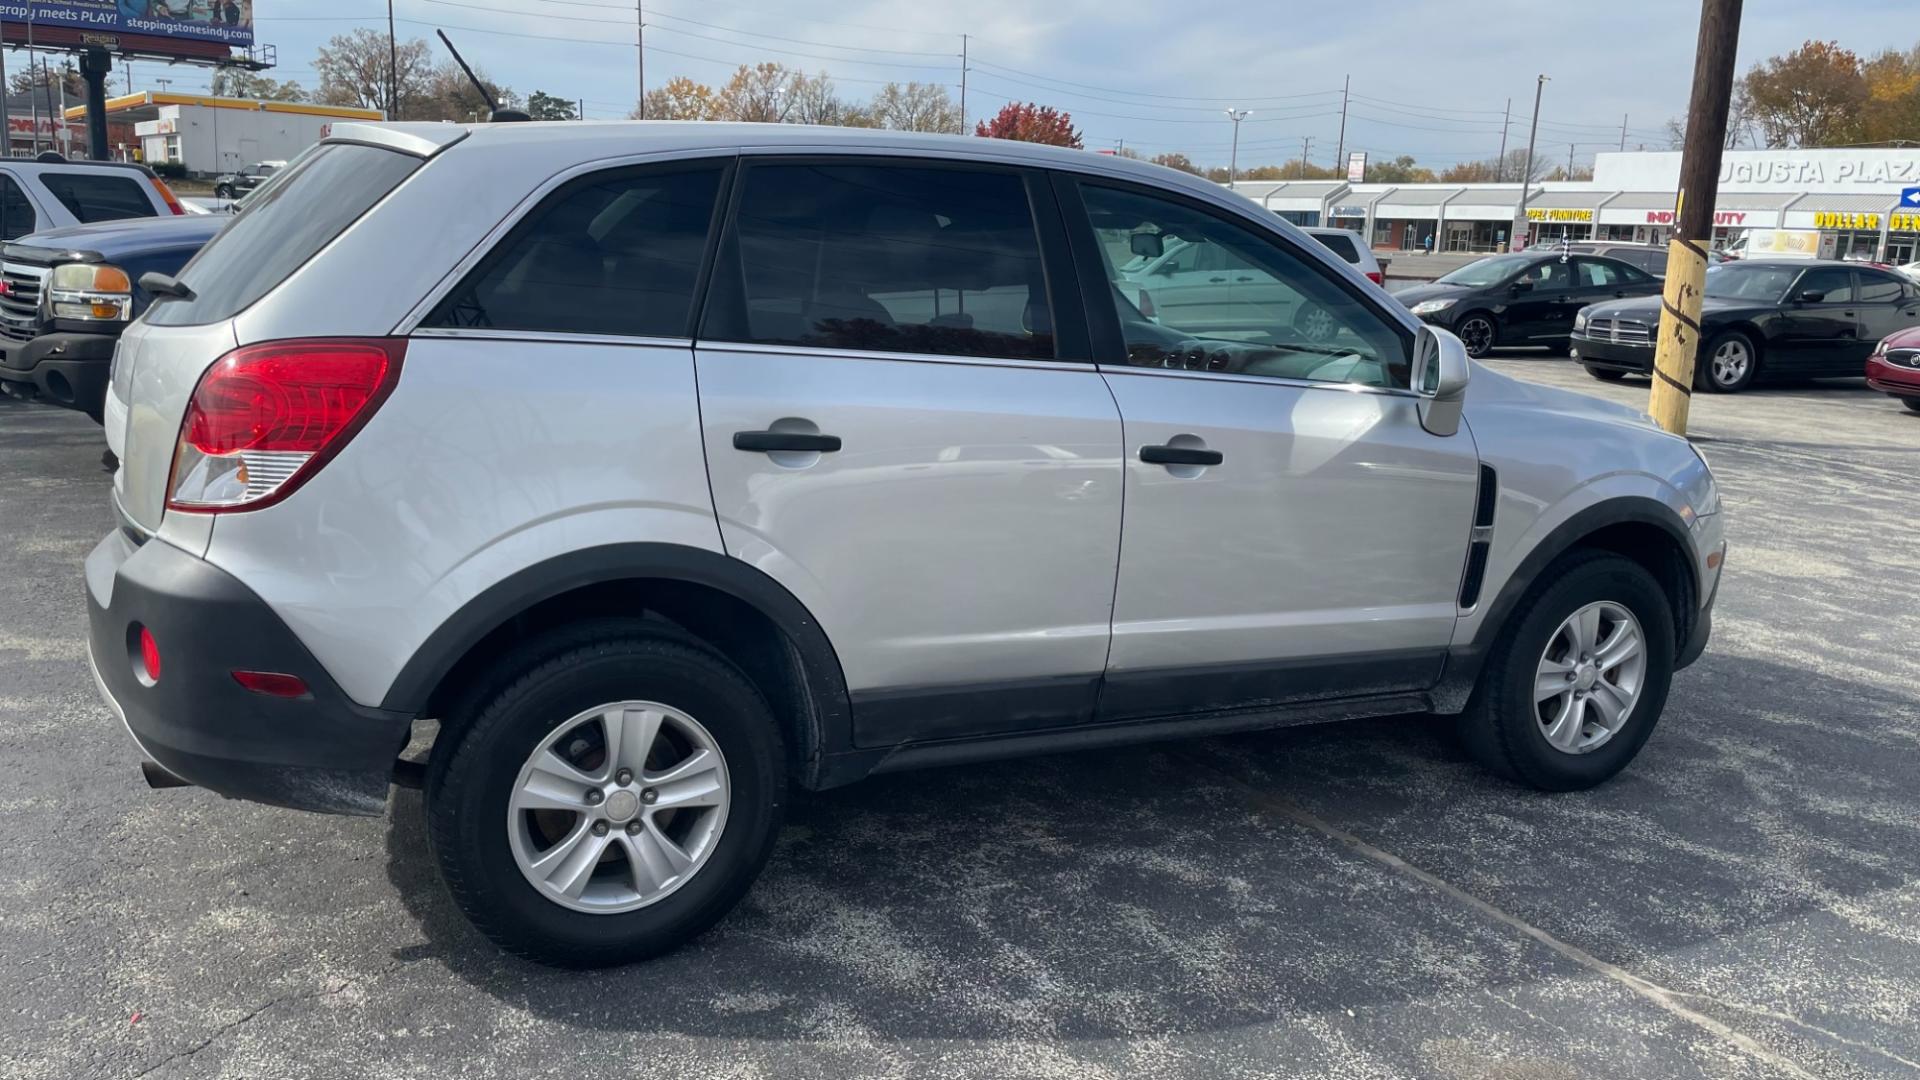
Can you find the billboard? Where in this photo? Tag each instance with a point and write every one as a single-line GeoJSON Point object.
{"type": "Point", "coordinates": [1357, 167]}
{"type": "Point", "coordinates": [222, 22]}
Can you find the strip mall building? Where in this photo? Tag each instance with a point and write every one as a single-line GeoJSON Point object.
{"type": "Point", "coordinates": [1852, 197]}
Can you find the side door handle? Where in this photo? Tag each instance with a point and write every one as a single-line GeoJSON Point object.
{"type": "Point", "coordinates": [1180, 455]}
{"type": "Point", "coordinates": [769, 441]}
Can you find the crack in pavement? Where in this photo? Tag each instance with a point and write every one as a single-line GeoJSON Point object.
{"type": "Point", "coordinates": [1667, 1000]}
{"type": "Point", "coordinates": [1787, 1018]}
{"type": "Point", "coordinates": [304, 995]}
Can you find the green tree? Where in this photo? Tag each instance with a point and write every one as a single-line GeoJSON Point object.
{"type": "Point", "coordinates": [544, 106]}
{"type": "Point", "coordinates": [240, 83]}
{"type": "Point", "coordinates": [1401, 170]}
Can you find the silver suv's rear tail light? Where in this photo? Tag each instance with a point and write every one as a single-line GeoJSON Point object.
{"type": "Point", "coordinates": [266, 417]}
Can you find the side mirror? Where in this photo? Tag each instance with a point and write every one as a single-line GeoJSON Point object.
{"type": "Point", "coordinates": [1440, 374]}
{"type": "Point", "coordinates": [1813, 297]}
{"type": "Point", "coordinates": [1519, 287]}
{"type": "Point", "coordinates": [1148, 244]}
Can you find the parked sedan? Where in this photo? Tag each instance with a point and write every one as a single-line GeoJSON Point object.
{"type": "Point", "coordinates": [1894, 367]}
{"type": "Point", "coordinates": [1524, 299]}
{"type": "Point", "coordinates": [1762, 318]}
{"type": "Point", "coordinates": [1649, 257]}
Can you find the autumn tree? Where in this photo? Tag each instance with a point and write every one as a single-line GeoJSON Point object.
{"type": "Point", "coordinates": [915, 106]}
{"type": "Point", "coordinates": [354, 68]}
{"type": "Point", "coordinates": [1496, 169]}
{"type": "Point", "coordinates": [240, 83]}
{"type": "Point", "coordinates": [681, 99]}
{"type": "Point", "coordinates": [1179, 161]}
{"type": "Point", "coordinates": [1027, 122]}
{"type": "Point", "coordinates": [758, 94]}
{"type": "Point", "coordinates": [1812, 96]}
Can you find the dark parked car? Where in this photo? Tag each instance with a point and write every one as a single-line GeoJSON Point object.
{"type": "Point", "coordinates": [1894, 368]}
{"type": "Point", "coordinates": [1761, 319]}
{"type": "Point", "coordinates": [1525, 299]}
{"type": "Point", "coordinates": [234, 185]}
{"type": "Point", "coordinates": [1649, 257]}
{"type": "Point", "coordinates": [66, 294]}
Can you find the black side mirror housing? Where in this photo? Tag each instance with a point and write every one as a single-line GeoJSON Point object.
{"type": "Point", "coordinates": [1519, 287]}
{"type": "Point", "coordinates": [1813, 297]}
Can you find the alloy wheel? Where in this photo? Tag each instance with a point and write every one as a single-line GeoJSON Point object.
{"type": "Point", "coordinates": [1317, 324]}
{"type": "Point", "coordinates": [618, 806]}
{"type": "Point", "coordinates": [1730, 363]}
{"type": "Point", "coordinates": [1476, 334]}
{"type": "Point", "coordinates": [1590, 677]}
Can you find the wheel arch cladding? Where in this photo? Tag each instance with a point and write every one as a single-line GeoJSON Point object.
{"type": "Point", "coordinates": [1639, 528]}
{"type": "Point", "coordinates": [740, 612]}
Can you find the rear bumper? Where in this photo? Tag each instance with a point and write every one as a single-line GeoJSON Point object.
{"type": "Point", "coordinates": [1892, 378]}
{"type": "Point", "coordinates": [319, 751]}
{"type": "Point", "coordinates": [65, 369]}
{"type": "Point", "coordinates": [1595, 352]}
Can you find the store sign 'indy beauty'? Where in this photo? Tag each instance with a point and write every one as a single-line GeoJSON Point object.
{"type": "Point", "coordinates": [227, 21]}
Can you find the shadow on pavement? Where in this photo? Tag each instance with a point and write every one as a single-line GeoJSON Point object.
{"type": "Point", "coordinates": [1140, 891]}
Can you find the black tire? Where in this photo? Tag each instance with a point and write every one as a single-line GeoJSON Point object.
{"type": "Point", "coordinates": [1606, 374]}
{"type": "Point", "coordinates": [223, 192]}
{"type": "Point", "coordinates": [1705, 375]}
{"type": "Point", "coordinates": [488, 739]}
{"type": "Point", "coordinates": [1478, 343]}
{"type": "Point", "coordinates": [1912, 403]}
{"type": "Point", "coordinates": [1501, 727]}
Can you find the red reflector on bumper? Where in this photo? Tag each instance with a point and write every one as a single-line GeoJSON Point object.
{"type": "Point", "coordinates": [272, 683]}
{"type": "Point", "coordinates": [149, 655]}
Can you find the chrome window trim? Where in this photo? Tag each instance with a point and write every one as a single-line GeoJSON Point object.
{"type": "Point", "coordinates": [1258, 380]}
{"type": "Point", "coordinates": [483, 333]}
{"type": "Point", "coordinates": [756, 348]}
{"type": "Point", "coordinates": [411, 321]}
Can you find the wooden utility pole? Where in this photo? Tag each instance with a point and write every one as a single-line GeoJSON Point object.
{"type": "Point", "coordinates": [1679, 338]}
{"type": "Point", "coordinates": [1340, 148]}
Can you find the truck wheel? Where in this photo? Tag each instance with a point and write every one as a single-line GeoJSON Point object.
{"type": "Point", "coordinates": [1576, 682]}
{"type": "Point", "coordinates": [223, 192]}
{"type": "Point", "coordinates": [1606, 374]}
{"type": "Point", "coordinates": [612, 797]}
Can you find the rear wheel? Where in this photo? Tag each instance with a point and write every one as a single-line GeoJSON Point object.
{"type": "Point", "coordinates": [1727, 365]}
{"type": "Point", "coordinates": [613, 798]}
{"type": "Point", "coordinates": [1574, 686]}
{"type": "Point", "coordinates": [223, 192]}
{"type": "Point", "coordinates": [1477, 333]}
{"type": "Point", "coordinates": [1912, 403]}
{"type": "Point", "coordinates": [1606, 374]}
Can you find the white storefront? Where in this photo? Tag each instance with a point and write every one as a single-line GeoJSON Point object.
{"type": "Point", "coordinates": [1857, 199]}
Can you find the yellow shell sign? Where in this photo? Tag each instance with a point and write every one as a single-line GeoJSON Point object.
{"type": "Point", "coordinates": [1559, 215]}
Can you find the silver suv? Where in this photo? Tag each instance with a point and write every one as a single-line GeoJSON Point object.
{"type": "Point", "coordinates": [666, 465]}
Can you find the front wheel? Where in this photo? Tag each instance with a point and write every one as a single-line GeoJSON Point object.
{"type": "Point", "coordinates": [223, 192]}
{"type": "Point", "coordinates": [1314, 323]}
{"type": "Point", "coordinates": [1477, 333]}
{"type": "Point", "coordinates": [1912, 403]}
{"type": "Point", "coordinates": [1727, 365]}
{"type": "Point", "coordinates": [613, 797]}
{"type": "Point", "coordinates": [1606, 374]}
{"type": "Point", "coordinates": [1574, 686]}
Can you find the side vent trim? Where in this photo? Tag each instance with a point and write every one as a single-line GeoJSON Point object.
{"type": "Point", "coordinates": [1486, 502]}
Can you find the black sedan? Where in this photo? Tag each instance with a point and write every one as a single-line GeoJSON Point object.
{"type": "Point", "coordinates": [1524, 299]}
{"type": "Point", "coordinates": [1760, 319]}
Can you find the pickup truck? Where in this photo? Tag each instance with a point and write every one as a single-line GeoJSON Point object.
{"type": "Point", "coordinates": [67, 293]}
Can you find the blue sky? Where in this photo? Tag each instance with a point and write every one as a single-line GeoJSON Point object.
{"type": "Point", "coordinates": [1429, 79]}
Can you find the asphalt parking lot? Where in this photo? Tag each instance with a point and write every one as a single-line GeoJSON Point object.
{"type": "Point", "coordinates": [1352, 900]}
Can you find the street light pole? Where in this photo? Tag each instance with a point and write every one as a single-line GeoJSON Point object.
{"type": "Point", "coordinates": [1526, 178]}
{"type": "Point", "coordinates": [1233, 163]}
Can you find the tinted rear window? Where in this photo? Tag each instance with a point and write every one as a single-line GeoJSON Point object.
{"type": "Point", "coordinates": [282, 226]}
{"type": "Point", "coordinates": [1340, 245]}
{"type": "Point", "coordinates": [93, 197]}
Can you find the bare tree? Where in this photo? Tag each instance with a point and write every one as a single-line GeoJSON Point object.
{"type": "Point", "coordinates": [816, 101]}
{"type": "Point", "coordinates": [241, 83]}
{"type": "Point", "coordinates": [353, 70]}
{"type": "Point", "coordinates": [916, 106]}
{"type": "Point", "coordinates": [449, 95]}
